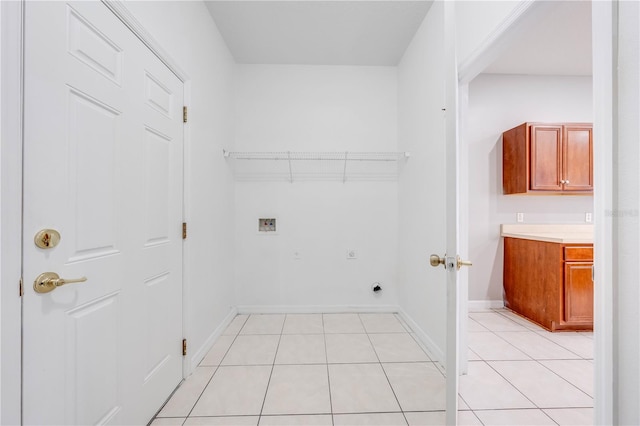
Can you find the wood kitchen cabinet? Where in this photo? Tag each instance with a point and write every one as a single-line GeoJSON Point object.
{"type": "Point", "coordinates": [541, 158]}
{"type": "Point", "coordinates": [549, 283]}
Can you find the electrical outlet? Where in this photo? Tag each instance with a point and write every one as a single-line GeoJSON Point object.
{"type": "Point", "coordinates": [352, 254]}
{"type": "Point", "coordinates": [267, 225]}
{"type": "Point", "coordinates": [297, 255]}
{"type": "Point", "coordinates": [519, 217]}
{"type": "Point", "coordinates": [588, 217]}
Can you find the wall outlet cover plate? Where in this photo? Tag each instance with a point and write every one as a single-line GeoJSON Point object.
{"type": "Point", "coordinates": [267, 225]}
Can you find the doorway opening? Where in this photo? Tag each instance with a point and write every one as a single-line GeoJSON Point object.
{"type": "Point", "coordinates": [544, 77]}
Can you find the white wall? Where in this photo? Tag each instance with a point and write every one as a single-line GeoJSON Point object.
{"type": "Point", "coordinates": [315, 108]}
{"type": "Point", "coordinates": [421, 189]}
{"type": "Point", "coordinates": [498, 103]}
{"type": "Point", "coordinates": [189, 35]}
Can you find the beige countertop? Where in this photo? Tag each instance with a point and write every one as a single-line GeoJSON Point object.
{"type": "Point", "coordinates": [553, 233]}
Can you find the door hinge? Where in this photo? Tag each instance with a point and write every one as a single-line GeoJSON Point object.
{"type": "Point", "coordinates": [21, 290]}
{"type": "Point", "coordinates": [184, 347]}
{"type": "Point", "coordinates": [184, 114]}
{"type": "Point", "coordinates": [184, 230]}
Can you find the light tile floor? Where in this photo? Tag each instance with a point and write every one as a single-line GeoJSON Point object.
{"type": "Point", "coordinates": [369, 369]}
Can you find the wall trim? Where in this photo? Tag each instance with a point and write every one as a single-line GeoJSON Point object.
{"type": "Point", "coordinates": [119, 8]}
{"type": "Point", "coordinates": [485, 305]}
{"type": "Point", "coordinates": [433, 350]}
{"type": "Point", "coordinates": [11, 130]}
{"type": "Point", "coordinates": [317, 309]}
{"type": "Point", "coordinates": [186, 209]}
{"type": "Point", "coordinates": [202, 351]}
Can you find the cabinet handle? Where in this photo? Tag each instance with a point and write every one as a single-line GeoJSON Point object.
{"type": "Point", "coordinates": [566, 181]}
{"type": "Point", "coordinates": [561, 181]}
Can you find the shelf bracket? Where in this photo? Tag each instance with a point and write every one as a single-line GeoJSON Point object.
{"type": "Point", "coordinates": [290, 171]}
{"type": "Point", "coordinates": [344, 171]}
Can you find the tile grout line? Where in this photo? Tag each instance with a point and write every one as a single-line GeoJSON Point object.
{"type": "Point", "coordinates": [275, 355]}
{"type": "Point", "coordinates": [498, 373]}
{"type": "Point", "coordinates": [474, 415]}
{"type": "Point", "coordinates": [564, 347]}
{"type": "Point", "coordinates": [326, 358]}
{"type": "Point", "coordinates": [538, 360]}
{"type": "Point", "coordinates": [436, 364]}
{"type": "Point", "coordinates": [558, 375]}
{"type": "Point", "coordinates": [542, 333]}
{"type": "Point", "coordinates": [531, 358]}
{"type": "Point", "coordinates": [383, 370]}
{"type": "Point", "coordinates": [514, 386]}
{"type": "Point", "coordinates": [324, 333]}
{"type": "Point", "coordinates": [216, 369]}
{"type": "Point", "coordinates": [495, 333]}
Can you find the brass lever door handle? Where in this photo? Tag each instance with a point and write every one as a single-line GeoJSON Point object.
{"type": "Point", "coordinates": [49, 281]}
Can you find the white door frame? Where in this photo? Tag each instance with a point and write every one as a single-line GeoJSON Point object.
{"type": "Point", "coordinates": [519, 20]}
{"type": "Point", "coordinates": [11, 14]}
{"type": "Point", "coordinates": [119, 8]}
{"type": "Point", "coordinates": [603, 127]}
{"type": "Point", "coordinates": [11, 160]}
{"type": "Point", "coordinates": [11, 17]}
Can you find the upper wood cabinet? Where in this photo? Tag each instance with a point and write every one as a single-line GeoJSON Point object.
{"type": "Point", "coordinates": [548, 159]}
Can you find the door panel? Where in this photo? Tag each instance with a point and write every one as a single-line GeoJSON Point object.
{"type": "Point", "coordinates": [156, 185]}
{"type": "Point", "coordinates": [578, 158]}
{"type": "Point", "coordinates": [578, 292]}
{"type": "Point", "coordinates": [93, 361]}
{"type": "Point", "coordinates": [93, 48]}
{"type": "Point", "coordinates": [158, 96]}
{"type": "Point", "coordinates": [161, 245]}
{"type": "Point", "coordinates": [103, 166]}
{"type": "Point", "coordinates": [546, 157]}
{"type": "Point", "coordinates": [94, 131]}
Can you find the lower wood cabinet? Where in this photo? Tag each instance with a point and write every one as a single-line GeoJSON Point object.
{"type": "Point", "coordinates": [549, 283]}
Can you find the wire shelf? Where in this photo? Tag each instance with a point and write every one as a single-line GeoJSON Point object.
{"type": "Point", "coordinates": [308, 165]}
{"type": "Point", "coordinates": [320, 156]}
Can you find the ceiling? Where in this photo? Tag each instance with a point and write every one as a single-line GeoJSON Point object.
{"type": "Point", "coordinates": [559, 44]}
{"type": "Point", "coordinates": [377, 33]}
{"type": "Point", "coordinates": [318, 32]}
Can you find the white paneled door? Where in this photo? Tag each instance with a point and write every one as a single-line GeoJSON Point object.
{"type": "Point", "coordinates": [102, 167]}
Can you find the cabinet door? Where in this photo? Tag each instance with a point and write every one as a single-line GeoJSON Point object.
{"type": "Point", "coordinates": [546, 158]}
{"type": "Point", "coordinates": [578, 158]}
{"type": "Point", "coordinates": [578, 292]}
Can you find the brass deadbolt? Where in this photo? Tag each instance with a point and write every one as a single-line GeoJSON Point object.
{"type": "Point", "coordinates": [47, 238]}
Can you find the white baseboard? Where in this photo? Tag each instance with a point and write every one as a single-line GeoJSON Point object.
{"type": "Point", "coordinates": [315, 309]}
{"type": "Point", "coordinates": [484, 305]}
{"type": "Point", "coordinates": [434, 351]}
{"type": "Point", "coordinates": [199, 355]}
